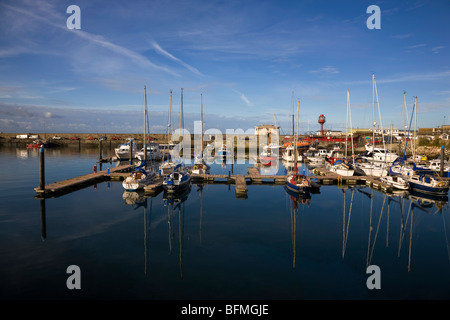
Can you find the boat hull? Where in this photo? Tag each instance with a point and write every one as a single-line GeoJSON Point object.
{"type": "Point", "coordinates": [428, 189]}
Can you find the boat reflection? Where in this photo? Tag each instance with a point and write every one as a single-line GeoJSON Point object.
{"type": "Point", "coordinates": [175, 204]}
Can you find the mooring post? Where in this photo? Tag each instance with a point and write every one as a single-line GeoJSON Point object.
{"type": "Point", "coordinates": [43, 220]}
{"type": "Point", "coordinates": [442, 161]}
{"type": "Point", "coordinates": [41, 169]}
{"type": "Point", "coordinates": [131, 152]}
{"type": "Point", "coordinates": [100, 157]}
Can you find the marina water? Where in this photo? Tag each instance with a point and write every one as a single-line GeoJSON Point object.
{"type": "Point", "coordinates": [210, 244]}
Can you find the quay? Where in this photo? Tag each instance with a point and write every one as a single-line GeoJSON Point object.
{"type": "Point", "coordinates": [240, 181]}
{"type": "Point", "coordinates": [321, 176]}
{"type": "Point", "coordinates": [66, 186]}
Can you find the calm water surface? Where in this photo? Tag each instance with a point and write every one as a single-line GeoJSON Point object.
{"type": "Point", "coordinates": [210, 244]}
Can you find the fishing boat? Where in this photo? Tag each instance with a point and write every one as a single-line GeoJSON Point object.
{"type": "Point", "coordinates": [123, 150]}
{"type": "Point", "coordinates": [268, 156]}
{"type": "Point", "coordinates": [428, 183]}
{"type": "Point", "coordinates": [37, 144]}
{"type": "Point", "coordinates": [138, 179]}
{"type": "Point", "coordinates": [178, 180]}
{"type": "Point", "coordinates": [288, 154]}
{"type": "Point", "coordinates": [397, 182]}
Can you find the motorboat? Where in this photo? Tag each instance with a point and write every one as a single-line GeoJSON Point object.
{"type": "Point", "coordinates": [398, 182]}
{"type": "Point", "coordinates": [341, 168]}
{"type": "Point", "coordinates": [377, 154]}
{"type": "Point", "coordinates": [123, 150]}
{"type": "Point", "coordinates": [153, 152]}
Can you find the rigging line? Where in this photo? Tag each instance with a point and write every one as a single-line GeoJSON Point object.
{"type": "Point", "coordinates": [446, 237]}
{"type": "Point", "coordinates": [378, 227]}
{"type": "Point", "coordinates": [410, 242]}
{"type": "Point", "coordinates": [403, 227]}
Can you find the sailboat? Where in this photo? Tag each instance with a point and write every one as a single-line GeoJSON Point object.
{"type": "Point", "coordinates": [180, 178]}
{"type": "Point", "coordinates": [341, 166]}
{"type": "Point", "coordinates": [372, 168]}
{"type": "Point", "coordinates": [296, 182]}
{"type": "Point", "coordinates": [140, 177]}
{"type": "Point", "coordinates": [200, 166]}
{"type": "Point", "coordinates": [167, 166]}
{"type": "Point", "coordinates": [399, 166]}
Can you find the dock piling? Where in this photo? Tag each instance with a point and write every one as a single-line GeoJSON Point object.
{"type": "Point", "coordinates": [441, 171]}
{"type": "Point", "coordinates": [41, 169]}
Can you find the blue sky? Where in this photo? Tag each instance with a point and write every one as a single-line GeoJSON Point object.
{"type": "Point", "coordinates": [244, 57]}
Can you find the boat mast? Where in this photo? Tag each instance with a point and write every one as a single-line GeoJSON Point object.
{"type": "Point", "coordinates": [373, 116]}
{"type": "Point", "coordinates": [201, 118]}
{"type": "Point", "coordinates": [293, 113]}
{"type": "Point", "coordinates": [295, 140]}
{"type": "Point", "coordinates": [346, 129]}
{"type": "Point", "coordinates": [181, 117]}
{"type": "Point", "coordinates": [404, 105]}
{"type": "Point", "coordinates": [145, 125]}
{"type": "Point", "coordinates": [170, 118]}
{"type": "Point", "coordinates": [415, 123]}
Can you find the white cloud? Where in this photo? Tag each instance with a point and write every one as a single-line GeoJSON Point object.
{"type": "Point", "coordinates": [327, 69]}
{"type": "Point", "coordinates": [243, 97]}
{"type": "Point", "coordinates": [160, 50]}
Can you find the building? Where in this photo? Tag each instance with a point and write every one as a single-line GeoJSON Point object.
{"type": "Point", "coordinates": [269, 132]}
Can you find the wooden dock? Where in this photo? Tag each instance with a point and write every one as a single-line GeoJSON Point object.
{"type": "Point", "coordinates": [66, 186]}
{"type": "Point", "coordinates": [241, 181]}
{"type": "Point", "coordinates": [326, 177]}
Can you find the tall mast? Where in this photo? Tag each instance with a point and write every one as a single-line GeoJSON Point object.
{"type": "Point", "coordinates": [145, 124]}
{"type": "Point", "coordinates": [296, 137]}
{"type": "Point", "coordinates": [373, 114]}
{"type": "Point", "coordinates": [346, 129]}
{"type": "Point", "coordinates": [415, 123]}
{"type": "Point", "coordinates": [170, 116]}
{"type": "Point", "coordinates": [351, 127]}
{"type": "Point", "coordinates": [404, 105]}
{"type": "Point", "coordinates": [201, 118]}
{"type": "Point", "coordinates": [181, 117]}
{"type": "Point", "coordinates": [293, 113]}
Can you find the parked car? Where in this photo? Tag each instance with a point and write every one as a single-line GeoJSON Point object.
{"type": "Point", "coordinates": [74, 138]}
{"type": "Point", "coordinates": [115, 138]}
{"type": "Point", "coordinates": [57, 138]}
{"type": "Point", "coordinates": [92, 138]}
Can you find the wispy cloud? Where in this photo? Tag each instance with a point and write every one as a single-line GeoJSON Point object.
{"type": "Point", "coordinates": [402, 36]}
{"type": "Point", "coordinates": [420, 45]}
{"type": "Point", "coordinates": [327, 69]}
{"type": "Point", "coordinates": [160, 50]}
{"type": "Point", "coordinates": [437, 49]}
{"type": "Point", "coordinates": [135, 57]}
{"type": "Point", "coordinates": [243, 97]}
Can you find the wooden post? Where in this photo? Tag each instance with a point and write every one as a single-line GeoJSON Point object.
{"type": "Point", "coordinates": [43, 220]}
{"type": "Point", "coordinates": [100, 157]}
{"type": "Point", "coordinates": [131, 151]}
{"type": "Point", "coordinates": [41, 169]}
{"type": "Point", "coordinates": [442, 161]}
